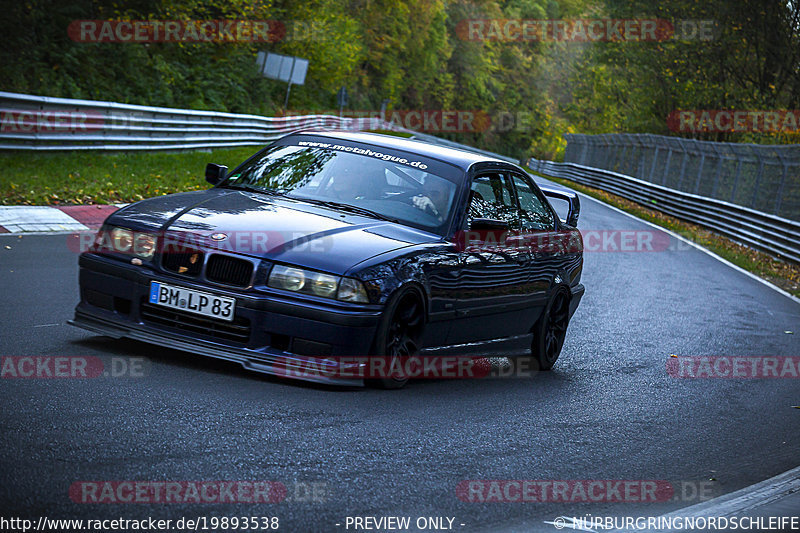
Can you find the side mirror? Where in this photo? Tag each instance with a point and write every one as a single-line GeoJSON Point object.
{"type": "Point", "coordinates": [570, 197]}
{"type": "Point", "coordinates": [488, 224]}
{"type": "Point", "coordinates": [215, 173]}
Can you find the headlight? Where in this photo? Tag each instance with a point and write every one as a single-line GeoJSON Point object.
{"type": "Point", "coordinates": [121, 240]}
{"type": "Point", "coordinates": [287, 278]}
{"type": "Point", "coordinates": [352, 290]}
{"type": "Point", "coordinates": [316, 283]}
{"type": "Point", "coordinates": [144, 245]}
{"type": "Point", "coordinates": [323, 284]}
{"type": "Point", "coordinates": [125, 241]}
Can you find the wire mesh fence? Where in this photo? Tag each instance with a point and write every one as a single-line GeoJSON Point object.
{"type": "Point", "coordinates": [762, 177]}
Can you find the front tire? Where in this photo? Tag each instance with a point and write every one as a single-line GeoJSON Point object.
{"type": "Point", "coordinates": [398, 337]}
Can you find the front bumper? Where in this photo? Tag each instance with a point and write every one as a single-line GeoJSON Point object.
{"type": "Point", "coordinates": [274, 334]}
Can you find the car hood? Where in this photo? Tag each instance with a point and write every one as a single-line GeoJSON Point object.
{"type": "Point", "coordinates": [273, 228]}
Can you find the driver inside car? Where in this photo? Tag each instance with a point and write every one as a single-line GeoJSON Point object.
{"type": "Point", "coordinates": [434, 200]}
{"type": "Point", "coordinates": [355, 179]}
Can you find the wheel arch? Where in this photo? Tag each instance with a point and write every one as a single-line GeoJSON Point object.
{"type": "Point", "coordinates": [413, 287]}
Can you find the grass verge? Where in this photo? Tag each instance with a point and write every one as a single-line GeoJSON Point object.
{"type": "Point", "coordinates": [780, 273]}
{"type": "Point", "coordinates": [88, 177]}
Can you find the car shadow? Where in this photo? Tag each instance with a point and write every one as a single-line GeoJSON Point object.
{"type": "Point", "coordinates": [169, 357]}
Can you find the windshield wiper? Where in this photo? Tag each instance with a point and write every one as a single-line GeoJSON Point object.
{"type": "Point", "coordinates": [349, 208]}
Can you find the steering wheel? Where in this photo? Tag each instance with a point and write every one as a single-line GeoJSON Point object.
{"type": "Point", "coordinates": [406, 195]}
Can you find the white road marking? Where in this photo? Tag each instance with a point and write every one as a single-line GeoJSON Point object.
{"type": "Point", "coordinates": [20, 219]}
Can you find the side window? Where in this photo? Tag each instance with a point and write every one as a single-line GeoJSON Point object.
{"type": "Point", "coordinates": [534, 214]}
{"type": "Point", "coordinates": [491, 196]}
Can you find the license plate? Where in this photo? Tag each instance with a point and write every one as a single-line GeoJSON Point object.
{"type": "Point", "coordinates": [192, 301]}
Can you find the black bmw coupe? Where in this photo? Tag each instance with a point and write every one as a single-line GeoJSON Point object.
{"type": "Point", "coordinates": [325, 246]}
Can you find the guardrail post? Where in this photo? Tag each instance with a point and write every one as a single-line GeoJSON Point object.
{"type": "Point", "coordinates": [758, 179]}
{"type": "Point", "coordinates": [621, 168]}
{"type": "Point", "coordinates": [585, 151]}
{"type": "Point", "coordinates": [683, 164]}
{"type": "Point", "coordinates": [736, 180]}
{"type": "Point", "coordinates": [653, 166]}
{"type": "Point", "coordinates": [600, 151]}
{"type": "Point", "coordinates": [699, 173]}
{"type": "Point", "coordinates": [717, 175]}
{"type": "Point", "coordinates": [631, 160]}
{"type": "Point", "coordinates": [666, 166]}
{"type": "Point", "coordinates": [612, 151]}
{"type": "Point", "coordinates": [779, 196]}
{"type": "Point", "coordinates": [642, 157]}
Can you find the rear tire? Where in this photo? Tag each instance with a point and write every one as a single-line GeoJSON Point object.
{"type": "Point", "coordinates": [548, 334]}
{"type": "Point", "coordinates": [398, 336]}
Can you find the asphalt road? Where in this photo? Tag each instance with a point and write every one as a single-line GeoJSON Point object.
{"type": "Point", "coordinates": [609, 411]}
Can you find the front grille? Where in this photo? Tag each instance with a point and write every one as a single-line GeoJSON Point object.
{"type": "Point", "coordinates": [229, 270]}
{"type": "Point", "coordinates": [185, 261]}
{"type": "Point", "coordinates": [236, 331]}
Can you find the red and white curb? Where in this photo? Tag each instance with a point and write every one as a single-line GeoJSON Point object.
{"type": "Point", "coordinates": [46, 219]}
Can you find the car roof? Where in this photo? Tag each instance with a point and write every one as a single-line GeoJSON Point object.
{"type": "Point", "coordinates": [460, 158]}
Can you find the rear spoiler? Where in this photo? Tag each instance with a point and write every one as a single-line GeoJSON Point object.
{"type": "Point", "coordinates": [571, 197]}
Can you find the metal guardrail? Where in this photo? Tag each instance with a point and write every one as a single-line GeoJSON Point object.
{"type": "Point", "coordinates": [769, 233]}
{"type": "Point", "coordinates": [45, 123]}
{"type": "Point", "coordinates": [764, 177]}
{"type": "Point", "coordinates": [39, 123]}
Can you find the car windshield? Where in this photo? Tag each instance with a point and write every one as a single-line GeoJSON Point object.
{"type": "Point", "coordinates": [383, 188]}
